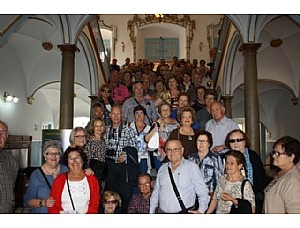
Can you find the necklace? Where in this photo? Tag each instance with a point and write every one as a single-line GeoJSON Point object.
{"type": "Point", "coordinates": [187, 132]}
{"type": "Point", "coordinates": [51, 172]}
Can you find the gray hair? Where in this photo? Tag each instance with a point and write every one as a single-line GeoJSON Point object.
{"type": "Point", "coordinates": [52, 144]}
{"type": "Point", "coordinates": [73, 132]}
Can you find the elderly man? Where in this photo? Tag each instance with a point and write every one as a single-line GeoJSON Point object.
{"type": "Point", "coordinates": [121, 158]}
{"type": "Point", "coordinates": [139, 99]}
{"type": "Point", "coordinates": [219, 127]}
{"type": "Point", "coordinates": [188, 180]}
{"type": "Point", "coordinates": [8, 174]}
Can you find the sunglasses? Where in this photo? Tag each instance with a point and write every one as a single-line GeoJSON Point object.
{"type": "Point", "coordinates": [236, 140]}
{"type": "Point", "coordinates": [106, 90]}
{"type": "Point", "coordinates": [111, 201]}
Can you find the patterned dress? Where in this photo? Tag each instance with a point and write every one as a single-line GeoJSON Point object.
{"type": "Point", "coordinates": [233, 189]}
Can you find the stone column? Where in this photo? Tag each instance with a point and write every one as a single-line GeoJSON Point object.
{"type": "Point", "coordinates": [227, 104]}
{"type": "Point", "coordinates": [66, 112]}
{"type": "Point", "coordinates": [251, 103]}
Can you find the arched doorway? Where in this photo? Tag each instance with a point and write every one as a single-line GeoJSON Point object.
{"type": "Point", "coordinates": [159, 27]}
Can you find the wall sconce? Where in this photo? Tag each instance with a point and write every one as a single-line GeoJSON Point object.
{"type": "Point", "coordinates": [8, 97]}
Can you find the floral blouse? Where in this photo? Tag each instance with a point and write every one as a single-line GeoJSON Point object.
{"type": "Point", "coordinates": [233, 189]}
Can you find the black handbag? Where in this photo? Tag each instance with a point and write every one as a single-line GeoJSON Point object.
{"type": "Point", "coordinates": [243, 206]}
{"type": "Point", "coordinates": [99, 168]}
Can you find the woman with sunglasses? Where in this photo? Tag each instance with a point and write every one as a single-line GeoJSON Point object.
{"type": "Point", "coordinates": [74, 192]}
{"type": "Point", "coordinates": [111, 202]}
{"type": "Point", "coordinates": [282, 195]}
{"type": "Point", "coordinates": [106, 100]}
{"type": "Point", "coordinates": [254, 168]}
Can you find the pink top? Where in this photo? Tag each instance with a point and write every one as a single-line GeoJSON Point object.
{"type": "Point", "coordinates": [120, 94]}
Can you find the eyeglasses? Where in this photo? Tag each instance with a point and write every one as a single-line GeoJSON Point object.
{"type": "Point", "coordinates": [277, 154]}
{"type": "Point", "coordinates": [80, 136]}
{"type": "Point", "coordinates": [111, 201]}
{"type": "Point", "coordinates": [202, 141]}
{"type": "Point", "coordinates": [144, 185]}
{"type": "Point", "coordinates": [176, 150]}
{"type": "Point", "coordinates": [53, 154]}
{"type": "Point", "coordinates": [236, 140]}
{"type": "Point", "coordinates": [74, 158]}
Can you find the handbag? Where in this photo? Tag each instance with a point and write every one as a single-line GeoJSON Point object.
{"type": "Point", "coordinates": [153, 143]}
{"type": "Point", "coordinates": [99, 168]}
{"type": "Point", "coordinates": [243, 206]}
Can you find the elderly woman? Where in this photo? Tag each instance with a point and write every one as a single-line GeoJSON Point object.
{"type": "Point", "coordinates": [74, 192]}
{"type": "Point", "coordinates": [105, 98]}
{"type": "Point", "coordinates": [185, 133]}
{"type": "Point", "coordinates": [77, 137]}
{"type": "Point", "coordinates": [282, 195]}
{"type": "Point", "coordinates": [140, 129]}
{"type": "Point", "coordinates": [209, 162]}
{"type": "Point", "coordinates": [171, 95]}
{"type": "Point", "coordinates": [255, 171]}
{"type": "Point", "coordinates": [36, 197]}
{"type": "Point", "coordinates": [111, 202]}
{"type": "Point", "coordinates": [228, 189]}
{"type": "Point", "coordinates": [164, 126]}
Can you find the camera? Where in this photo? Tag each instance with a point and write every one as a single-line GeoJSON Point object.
{"type": "Point", "coordinates": [110, 153]}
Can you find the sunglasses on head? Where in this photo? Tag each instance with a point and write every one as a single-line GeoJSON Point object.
{"type": "Point", "coordinates": [236, 140]}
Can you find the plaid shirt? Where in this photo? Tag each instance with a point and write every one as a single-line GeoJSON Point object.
{"type": "Point", "coordinates": [138, 204]}
{"type": "Point", "coordinates": [8, 175]}
{"type": "Point", "coordinates": [115, 140]}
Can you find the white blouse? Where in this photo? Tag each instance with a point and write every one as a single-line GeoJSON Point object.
{"type": "Point", "coordinates": [80, 193]}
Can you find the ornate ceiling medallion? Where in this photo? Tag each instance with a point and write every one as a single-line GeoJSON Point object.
{"type": "Point", "coordinates": [47, 46]}
{"type": "Point", "coordinates": [276, 42]}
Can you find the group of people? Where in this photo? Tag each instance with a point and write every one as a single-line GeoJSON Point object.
{"type": "Point", "coordinates": [203, 161]}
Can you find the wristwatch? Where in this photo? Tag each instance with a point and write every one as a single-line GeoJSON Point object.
{"type": "Point", "coordinates": [41, 203]}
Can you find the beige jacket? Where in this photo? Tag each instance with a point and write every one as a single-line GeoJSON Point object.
{"type": "Point", "coordinates": [284, 196]}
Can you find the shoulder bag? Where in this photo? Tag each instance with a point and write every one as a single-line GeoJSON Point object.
{"type": "Point", "coordinates": [184, 210]}
{"type": "Point", "coordinates": [244, 206]}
